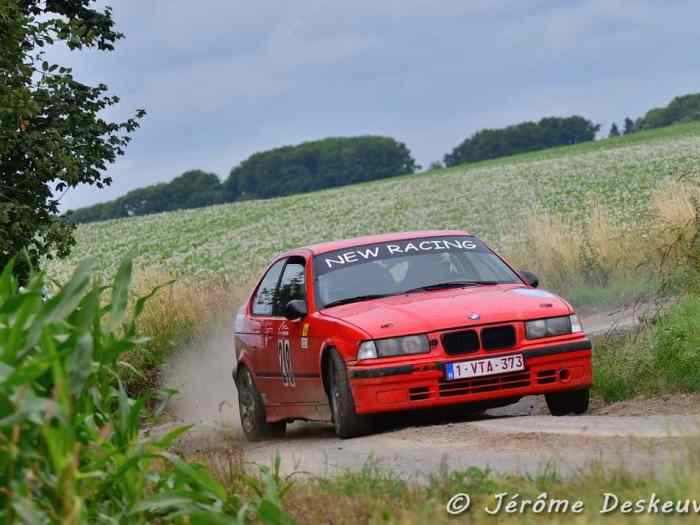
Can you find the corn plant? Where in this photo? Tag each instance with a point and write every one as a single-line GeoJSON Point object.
{"type": "Point", "coordinates": [72, 448]}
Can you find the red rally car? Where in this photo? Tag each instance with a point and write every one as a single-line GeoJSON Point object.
{"type": "Point", "coordinates": [344, 330]}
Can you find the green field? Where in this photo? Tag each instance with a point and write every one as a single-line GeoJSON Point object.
{"type": "Point", "coordinates": [491, 199]}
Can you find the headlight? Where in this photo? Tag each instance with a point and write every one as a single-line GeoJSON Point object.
{"type": "Point", "coordinates": [413, 344]}
{"type": "Point", "coordinates": [552, 327]}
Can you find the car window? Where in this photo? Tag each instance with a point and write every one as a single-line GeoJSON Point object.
{"type": "Point", "coordinates": [292, 286]}
{"type": "Point", "coordinates": [265, 296]}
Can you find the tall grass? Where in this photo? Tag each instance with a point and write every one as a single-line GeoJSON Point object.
{"type": "Point", "coordinates": [664, 357]}
{"type": "Point", "coordinates": [71, 446]}
{"type": "Point", "coordinates": [599, 262]}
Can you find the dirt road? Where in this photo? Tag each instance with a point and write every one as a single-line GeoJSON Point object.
{"type": "Point", "coordinates": [641, 434]}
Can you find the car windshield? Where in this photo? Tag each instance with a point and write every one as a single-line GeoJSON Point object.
{"type": "Point", "coordinates": [408, 266]}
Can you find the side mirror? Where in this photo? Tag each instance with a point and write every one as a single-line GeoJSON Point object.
{"type": "Point", "coordinates": [295, 309]}
{"type": "Point", "coordinates": [530, 278]}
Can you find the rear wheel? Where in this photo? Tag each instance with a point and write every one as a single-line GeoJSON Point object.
{"type": "Point", "coordinates": [252, 411]}
{"type": "Point", "coordinates": [346, 421]}
{"type": "Point", "coordinates": [571, 402]}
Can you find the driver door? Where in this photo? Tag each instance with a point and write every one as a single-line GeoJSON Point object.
{"type": "Point", "coordinates": [287, 335]}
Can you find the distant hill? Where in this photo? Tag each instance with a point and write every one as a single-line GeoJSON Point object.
{"type": "Point", "coordinates": [281, 171]}
{"type": "Point", "coordinates": [494, 199]}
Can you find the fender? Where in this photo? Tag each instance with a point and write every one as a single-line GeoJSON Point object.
{"type": "Point", "coordinates": [243, 359]}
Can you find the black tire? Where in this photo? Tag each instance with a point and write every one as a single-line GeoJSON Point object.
{"type": "Point", "coordinates": [347, 422]}
{"type": "Point", "coordinates": [252, 410]}
{"type": "Point", "coordinates": [571, 402]}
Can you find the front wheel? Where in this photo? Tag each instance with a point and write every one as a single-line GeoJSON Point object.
{"type": "Point", "coordinates": [346, 421]}
{"type": "Point", "coordinates": [252, 411]}
{"type": "Point", "coordinates": [571, 402]}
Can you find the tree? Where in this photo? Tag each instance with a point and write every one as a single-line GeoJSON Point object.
{"type": "Point", "coordinates": [614, 131]}
{"type": "Point", "coordinates": [519, 138]}
{"type": "Point", "coordinates": [629, 126]}
{"type": "Point", "coordinates": [680, 109]}
{"type": "Point", "coordinates": [319, 164]}
{"type": "Point", "coordinates": [52, 135]}
{"type": "Point", "coordinates": [192, 189]}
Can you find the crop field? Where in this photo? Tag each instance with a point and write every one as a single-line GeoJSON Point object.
{"type": "Point", "coordinates": [493, 199]}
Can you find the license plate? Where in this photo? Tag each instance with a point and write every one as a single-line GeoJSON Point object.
{"type": "Point", "coordinates": [484, 367]}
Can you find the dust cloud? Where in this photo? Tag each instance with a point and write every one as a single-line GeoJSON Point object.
{"type": "Point", "coordinates": [201, 374]}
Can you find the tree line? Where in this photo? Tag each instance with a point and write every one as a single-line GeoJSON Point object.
{"type": "Point", "coordinates": [520, 138]}
{"type": "Point", "coordinates": [685, 108]}
{"type": "Point", "coordinates": [192, 189]}
{"type": "Point", "coordinates": [281, 171]}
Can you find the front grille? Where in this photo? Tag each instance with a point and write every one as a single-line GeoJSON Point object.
{"type": "Point", "coordinates": [484, 384]}
{"type": "Point", "coordinates": [498, 337]}
{"type": "Point", "coordinates": [461, 342]}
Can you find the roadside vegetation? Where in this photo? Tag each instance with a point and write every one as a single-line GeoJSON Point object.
{"type": "Point", "coordinates": [662, 357]}
{"type": "Point", "coordinates": [72, 448]}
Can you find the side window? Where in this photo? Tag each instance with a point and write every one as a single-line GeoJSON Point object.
{"type": "Point", "coordinates": [292, 286]}
{"type": "Point", "coordinates": [264, 297]}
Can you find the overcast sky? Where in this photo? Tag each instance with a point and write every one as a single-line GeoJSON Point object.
{"type": "Point", "coordinates": [222, 79]}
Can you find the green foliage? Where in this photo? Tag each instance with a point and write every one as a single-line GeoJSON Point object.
{"type": "Point", "coordinates": [526, 136]}
{"type": "Point", "coordinates": [283, 171]}
{"type": "Point", "coordinates": [614, 131]}
{"type": "Point", "coordinates": [72, 448]}
{"type": "Point", "coordinates": [192, 189]}
{"type": "Point", "coordinates": [52, 136]}
{"type": "Point", "coordinates": [680, 109]}
{"type": "Point", "coordinates": [663, 359]}
{"type": "Point", "coordinates": [676, 347]}
{"type": "Point", "coordinates": [316, 165]}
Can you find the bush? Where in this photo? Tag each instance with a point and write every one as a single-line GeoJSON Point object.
{"type": "Point", "coordinates": [71, 443]}
{"type": "Point", "coordinates": [661, 360]}
{"type": "Point", "coordinates": [676, 347]}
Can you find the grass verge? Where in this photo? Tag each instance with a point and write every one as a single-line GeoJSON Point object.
{"type": "Point", "coordinates": [661, 359]}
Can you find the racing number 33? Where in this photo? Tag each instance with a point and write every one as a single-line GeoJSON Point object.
{"type": "Point", "coordinates": [285, 357]}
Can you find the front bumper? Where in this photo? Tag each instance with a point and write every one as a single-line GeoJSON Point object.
{"type": "Point", "coordinates": [422, 383]}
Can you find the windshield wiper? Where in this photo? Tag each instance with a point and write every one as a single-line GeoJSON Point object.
{"type": "Point", "coordinates": [357, 299]}
{"type": "Point", "coordinates": [450, 284]}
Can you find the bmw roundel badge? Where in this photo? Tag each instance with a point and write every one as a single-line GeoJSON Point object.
{"type": "Point", "coordinates": [474, 316]}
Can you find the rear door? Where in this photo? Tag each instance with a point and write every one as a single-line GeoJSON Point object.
{"type": "Point", "coordinates": [299, 366]}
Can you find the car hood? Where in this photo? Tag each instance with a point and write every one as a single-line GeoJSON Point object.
{"type": "Point", "coordinates": [444, 309]}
